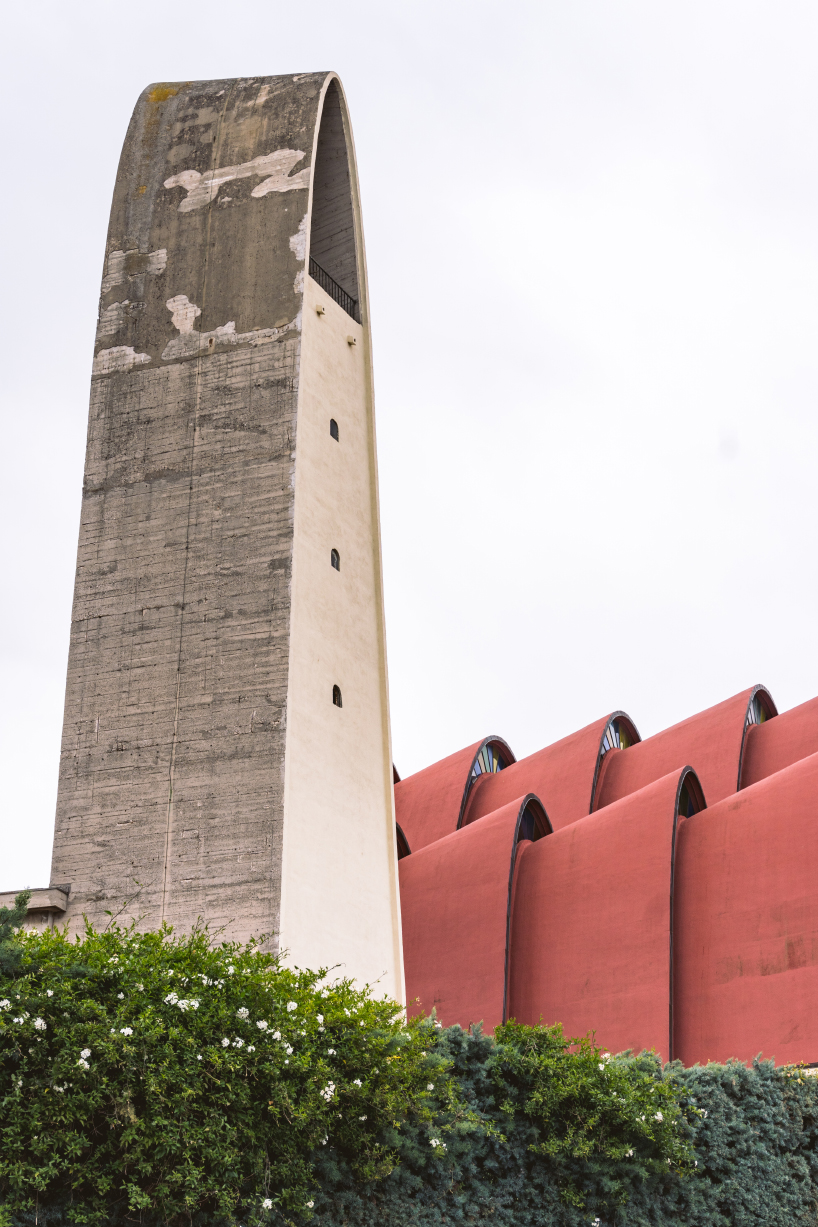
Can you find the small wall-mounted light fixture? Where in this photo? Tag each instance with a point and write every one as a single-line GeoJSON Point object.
{"type": "Point", "coordinates": [319, 310]}
{"type": "Point", "coordinates": [351, 341]}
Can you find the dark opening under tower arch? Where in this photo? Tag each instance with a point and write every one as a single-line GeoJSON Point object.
{"type": "Point", "coordinates": [333, 247]}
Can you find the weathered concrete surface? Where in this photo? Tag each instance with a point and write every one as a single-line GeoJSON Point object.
{"type": "Point", "coordinates": [171, 794]}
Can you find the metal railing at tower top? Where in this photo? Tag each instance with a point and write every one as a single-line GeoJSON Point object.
{"type": "Point", "coordinates": [335, 291]}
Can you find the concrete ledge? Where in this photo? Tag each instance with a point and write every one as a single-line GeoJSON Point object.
{"type": "Point", "coordinates": [49, 899]}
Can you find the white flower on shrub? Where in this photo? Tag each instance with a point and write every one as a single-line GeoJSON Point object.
{"type": "Point", "coordinates": [18, 1020]}
{"type": "Point", "coordinates": [361, 1118]}
{"type": "Point", "coordinates": [231, 969]}
{"type": "Point", "coordinates": [630, 1153]}
{"type": "Point", "coordinates": [5, 1004]}
{"type": "Point", "coordinates": [251, 1048]}
{"type": "Point", "coordinates": [262, 1024]}
{"type": "Point", "coordinates": [276, 1035]}
{"type": "Point", "coordinates": [238, 1043]}
{"type": "Point", "coordinates": [437, 1142]}
{"type": "Point", "coordinates": [49, 992]}
{"type": "Point", "coordinates": [328, 1091]}
{"type": "Point", "coordinates": [601, 1065]}
{"type": "Point", "coordinates": [225, 1043]}
{"type": "Point", "coordinates": [430, 1086]}
{"type": "Point", "coordinates": [126, 1030]}
{"type": "Point", "coordinates": [357, 1081]}
{"type": "Point", "coordinates": [330, 1052]}
{"type": "Point", "coordinates": [266, 1204]}
{"type": "Point", "coordinates": [310, 1204]}
{"type": "Point", "coordinates": [323, 1140]}
{"type": "Point", "coordinates": [320, 1017]}
{"type": "Point", "coordinates": [120, 996]}
{"type": "Point", "coordinates": [83, 1063]}
{"type": "Point", "coordinates": [288, 1049]}
{"type": "Point", "coordinates": [115, 959]}
{"type": "Point", "coordinates": [291, 1005]}
{"type": "Point", "coordinates": [243, 1012]}
{"type": "Point", "coordinates": [171, 999]}
{"type": "Point", "coordinates": [658, 1116]}
{"type": "Point", "coordinates": [40, 1024]}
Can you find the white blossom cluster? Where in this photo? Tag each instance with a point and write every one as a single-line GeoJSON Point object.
{"type": "Point", "coordinates": [436, 1142]}
{"type": "Point", "coordinates": [328, 1091]}
{"type": "Point", "coordinates": [183, 1003]}
{"type": "Point", "coordinates": [83, 1061]}
{"type": "Point", "coordinates": [5, 1004]}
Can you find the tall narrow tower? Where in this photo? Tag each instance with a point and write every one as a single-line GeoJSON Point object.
{"type": "Point", "coordinates": [226, 748]}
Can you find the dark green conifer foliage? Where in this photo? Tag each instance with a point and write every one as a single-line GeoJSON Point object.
{"type": "Point", "coordinates": [11, 952]}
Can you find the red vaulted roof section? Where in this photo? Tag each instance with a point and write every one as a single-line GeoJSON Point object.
{"type": "Point", "coordinates": [746, 924]}
{"type": "Point", "coordinates": [428, 804]}
{"type": "Point", "coordinates": [455, 899]}
{"type": "Point", "coordinates": [775, 744]}
{"type": "Point", "coordinates": [591, 925]}
{"type": "Point", "coordinates": [711, 741]}
{"type": "Point", "coordinates": [563, 774]}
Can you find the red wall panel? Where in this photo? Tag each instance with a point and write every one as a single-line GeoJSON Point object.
{"type": "Point", "coordinates": [591, 926]}
{"type": "Point", "coordinates": [746, 923]}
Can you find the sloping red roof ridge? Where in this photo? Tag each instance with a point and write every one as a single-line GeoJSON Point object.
{"type": "Point", "coordinates": [564, 774]}
{"type": "Point", "coordinates": [713, 740]}
{"type": "Point", "coordinates": [429, 804]}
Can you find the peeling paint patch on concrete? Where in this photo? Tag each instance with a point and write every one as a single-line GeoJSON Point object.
{"type": "Point", "coordinates": [183, 312]}
{"type": "Point", "coordinates": [111, 320]}
{"type": "Point", "coordinates": [120, 358]}
{"type": "Point", "coordinates": [298, 241]}
{"type": "Point", "coordinates": [298, 284]}
{"type": "Point", "coordinates": [122, 266]}
{"type": "Point", "coordinates": [189, 343]}
{"type": "Point", "coordinates": [203, 188]}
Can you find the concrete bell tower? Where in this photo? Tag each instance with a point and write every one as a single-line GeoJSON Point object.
{"type": "Point", "coordinates": [226, 747]}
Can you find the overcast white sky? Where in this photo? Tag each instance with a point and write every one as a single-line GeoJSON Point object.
{"type": "Point", "coordinates": [592, 238]}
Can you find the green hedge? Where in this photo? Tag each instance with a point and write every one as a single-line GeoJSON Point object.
{"type": "Point", "coordinates": [154, 1079]}
{"type": "Point", "coordinates": [755, 1145]}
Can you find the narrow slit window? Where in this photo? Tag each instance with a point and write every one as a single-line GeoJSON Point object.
{"type": "Point", "coordinates": [335, 559]}
{"type": "Point", "coordinates": [336, 696]}
{"type": "Point", "coordinates": [333, 429]}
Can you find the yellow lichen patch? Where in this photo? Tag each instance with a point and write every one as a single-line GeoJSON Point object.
{"type": "Point", "coordinates": [161, 93]}
{"type": "Point", "coordinates": [142, 189]}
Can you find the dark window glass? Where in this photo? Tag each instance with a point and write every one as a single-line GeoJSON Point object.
{"type": "Point", "coordinates": [336, 696]}
{"type": "Point", "coordinates": [335, 559]}
{"type": "Point", "coordinates": [333, 428]}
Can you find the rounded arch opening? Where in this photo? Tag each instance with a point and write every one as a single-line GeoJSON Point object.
{"type": "Point", "coordinates": [690, 797]}
{"type": "Point", "coordinates": [336, 696]}
{"type": "Point", "coordinates": [761, 707]}
{"type": "Point", "coordinates": [620, 733]}
{"type": "Point", "coordinates": [533, 823]}
{"type": "Point", "coordinates": [335, 559]}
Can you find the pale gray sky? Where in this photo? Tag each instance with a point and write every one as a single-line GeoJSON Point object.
{"type": "Point", "coordinates": [592, 238]}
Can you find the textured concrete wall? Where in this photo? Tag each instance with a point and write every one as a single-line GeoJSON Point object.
{"type": "Point", "coordinates": [171, 794]}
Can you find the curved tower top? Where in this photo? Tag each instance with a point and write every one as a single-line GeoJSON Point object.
{"type": "Point", "coordinates": [226, 749]}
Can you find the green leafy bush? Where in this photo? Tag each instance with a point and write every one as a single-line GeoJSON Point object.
{"type": "Point", "coordinates": [144, 1075]}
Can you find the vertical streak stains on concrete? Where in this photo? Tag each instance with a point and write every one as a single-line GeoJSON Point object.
{"type": "Point", "coordinates": [171, 797]}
